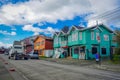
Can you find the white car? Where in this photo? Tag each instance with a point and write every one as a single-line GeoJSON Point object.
{"type": "Point", "coordinates": [33, 55]}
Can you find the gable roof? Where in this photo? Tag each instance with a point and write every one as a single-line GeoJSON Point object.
{"type": "Point", "coordinates": [83, 28]}
{"type": "Point", "coordinates": [97, 26]}
{"type": "Point", "coordinates": [79, 27]}
{"type": "Point", "coordinates": [61, 32]}
{"type": "Point", "coordinates": [45, 37]}
{"type": "Point", "coordinates": [76, 28]}
{"type": "Point", "coordinates": [56, 33]}
{"type": "Point", "coordinates": [65, 31]}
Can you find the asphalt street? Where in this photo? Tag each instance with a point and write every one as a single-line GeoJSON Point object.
{"type": "Point", "coordinates": [45, 70]}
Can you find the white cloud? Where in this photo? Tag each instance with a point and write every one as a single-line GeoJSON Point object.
{"type": "Point", "coordinates": [8, 33]}
{"type": "Point", "coordinates": [5, 45]}
{"type": "Point", "coordinates": [13, 33]}
{"type": "Point", "coordinates": [107, 12]}
{"type": "Point", "coordinates": [36, 30]}
{"type": "Point", "coordinates": [37, 11]}
{"type": "Point", "coordinates": [48, 10]}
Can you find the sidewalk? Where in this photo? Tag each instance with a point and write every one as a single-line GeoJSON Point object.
{"type": "Point", "coordinates": [105, 65]}
{"type": "Point", "coordinates": [9, 71]}
{"type": "Point", "coordinates": [4, 73]}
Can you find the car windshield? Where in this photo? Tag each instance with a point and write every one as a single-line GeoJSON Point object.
{"type": "Point", "coordinates": [18, 47]}
{"type": "Point", "coordinates": [35, 53]}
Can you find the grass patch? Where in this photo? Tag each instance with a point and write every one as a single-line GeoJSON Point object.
{"type": "Point", "coordinates": [116, 62]}
{"type": "Point", "coordinates": [116, 57]}
{"type": "Point", "coordinates": [43, 57]}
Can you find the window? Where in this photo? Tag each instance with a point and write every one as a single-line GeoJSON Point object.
{"type": "Point", "coordinates": [42, 43]}
{"type": "Point", "coordinates": [80, 35]}
{"type": "Point", "coordinates": [103, 50]}
{"type": "Point", "coordinates": [97, 35]}
{"type": "Point", "coordinates": [40, 52]}
{"type": "Point", "coordinates": [56, 40]}
{"type": "Point", "coordinates": [94, 50]}
{"type": "Point", "coordinates": [69, 38]}
{"type": "Point", "coordinates": [76, 36]}
{"type": "Point", "coordinates": [72, 36]}
{"type": "Point", "coordinates": [60, 40]}
{"type": "Point", "coordinates": [76, 50]}
{"type": "Point", "coordinates": [106, 37]}
{"type": "Point", "coordinates": [38, 44]}
{"type": "Point", "coordinates": [92, 35]}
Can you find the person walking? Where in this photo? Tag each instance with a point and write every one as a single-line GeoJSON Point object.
{"type": "Point", "coordinates": [97, 58]}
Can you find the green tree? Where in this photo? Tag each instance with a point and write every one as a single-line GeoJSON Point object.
{"type": "Point", "coordinates": [117, 40]}
{"type": "Point", "coordinates": [117, 37]}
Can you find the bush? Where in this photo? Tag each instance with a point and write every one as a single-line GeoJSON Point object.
{"type": "Point", "coordinates": [117, 51]}
{"type": "Point", "coordinates": [42, 57]}
{"type": "Point", "coordinates": [116, 57]}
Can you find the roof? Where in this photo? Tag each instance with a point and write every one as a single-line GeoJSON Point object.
{"type": "Point", "coordinates": [98, 27]}
{"type": "Point", "coordinates": [76, 27]}
{"type": "Point", "coordinates": [79, 27]}
{"type": "Point", "coordinates": [45, 37]}
{"type": "Point", "coordinates": [57, 33]}
{"type": "Point", "coordinates": [67, 31]}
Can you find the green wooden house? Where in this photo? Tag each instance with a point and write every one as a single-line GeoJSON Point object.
{"type": "Point", "coordinates": [84, 42]}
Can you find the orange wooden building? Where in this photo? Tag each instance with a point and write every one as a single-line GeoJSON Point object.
{"type": "Point", "coordinates": [44, 46]}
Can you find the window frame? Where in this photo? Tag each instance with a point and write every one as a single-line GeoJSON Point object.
{"type": "Point", "coordinates": [80, 35]}
{"type": "Point", "coordinates": [93, 51]}
{"type": "Point", "coordinates": [105, 52]}
{"type": "Point", "coordinates": [106, 37]}
{"type": "Point", "coordinates": [92, 35]}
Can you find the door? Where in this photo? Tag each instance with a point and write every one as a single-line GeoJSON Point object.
{"type": "Point", "coordinates": [69, 52]}
{"type": "Point", "coordinates": [82, 53]}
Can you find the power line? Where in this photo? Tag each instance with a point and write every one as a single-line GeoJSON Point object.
{"type": "Point", "coordinates": [108, 14]}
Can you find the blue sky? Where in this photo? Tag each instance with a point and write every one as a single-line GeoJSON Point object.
{"type": "Point", "coordinates": [23, 18]}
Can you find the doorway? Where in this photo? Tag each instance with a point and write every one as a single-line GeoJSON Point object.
{"type": "Point", "coordinates": [82, 52]}
{"type": "Point", "coordinates": [69, 52]}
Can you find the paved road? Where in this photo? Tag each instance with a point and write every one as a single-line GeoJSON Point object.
{"type": "Point", "coordinates": [45, 70]}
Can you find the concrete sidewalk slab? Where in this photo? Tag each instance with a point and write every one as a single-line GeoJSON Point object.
{"type": "Point", "coordinates": [13, 75]}
{"type": "Point", "coordinates": [4, 73]}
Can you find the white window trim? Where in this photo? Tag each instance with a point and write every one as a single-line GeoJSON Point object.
{"type": "Point", "coordinates": [97, 34]}
{"type": "Point", "coordinates": [92, 35]}
{"type": "Point", "coordinates": [106, 37]}
{"type": "Point", "coordinates": [80, 35]}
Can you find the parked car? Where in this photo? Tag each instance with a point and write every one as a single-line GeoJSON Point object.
{"type": "Point", "coordinates": [33, 55]}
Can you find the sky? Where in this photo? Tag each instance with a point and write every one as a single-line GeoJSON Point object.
{"type": "Point", "coordinates": [20, 19]}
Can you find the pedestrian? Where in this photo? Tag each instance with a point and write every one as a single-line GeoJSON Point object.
{"type": "Point", "coordinates": [97, 58]}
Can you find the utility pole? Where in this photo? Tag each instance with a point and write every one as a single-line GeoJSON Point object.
{"type": "Point", "coordinates": [98, 38]}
